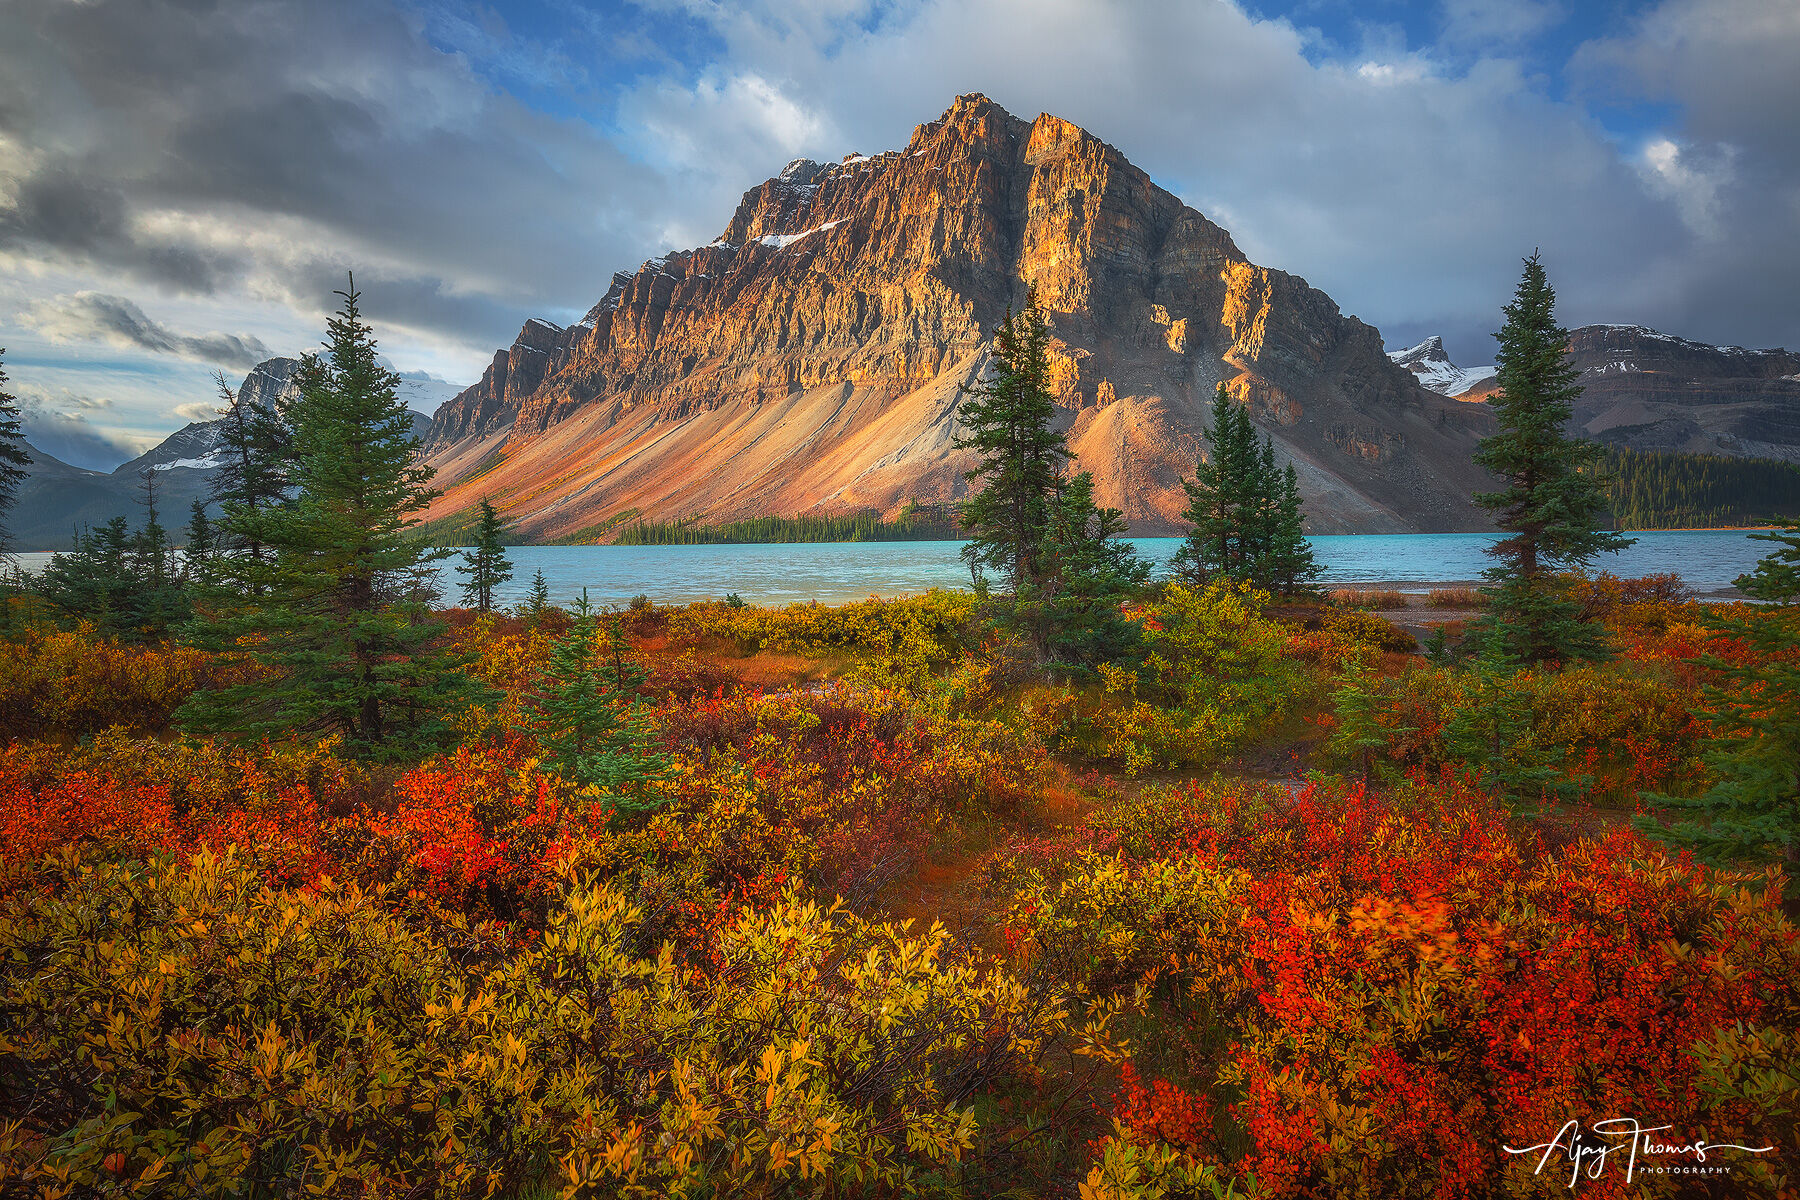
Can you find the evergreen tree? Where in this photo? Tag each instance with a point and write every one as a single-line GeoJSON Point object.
{"type": "Point", "coordinates": [343, 648]}
{"type": "Point", "coordinates": [253, 448]}
{"type": "Point", "coordinates": [1262, 511]}
{"type": "Point", "coordinates": [96, 580]}
{"type": "Point", "coordinates": [1495, 733]}
{"type": "Point", "coordinates": [159, 600]}
{"type": "Point", "coordinates": [1213, 499]}
{"type": "Point", "coordinates": [1245, 512]}
{"type": "Point", "coordinates": [1008, 418]}
{"type": "Point", "coordinates": [537, 600]}
{"type": "Point", "coordinates": [1090, 569]}
{"type": "Point", "coordinates": [202, 545]}
{"type": "Point", "coordinates": [14, 458]}
{"type": "Point", "coordinates": [590, 719]}
{"type": "Point", "coordinates": [486, 565]}
{"type": "Point", "coordinates": [1551, 507]}
{"type": "Point", "coordinates": [1753, 810]}
{"type": "Point", "coordinates": [1776, 578]}
{"type": "Point", "coordinates": [1292, 570]}
{"type": "Point", "coordinates": [1359, 708]}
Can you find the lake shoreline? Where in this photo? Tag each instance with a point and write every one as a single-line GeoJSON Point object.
{"type": "Point", "coordinates": [777, 573]}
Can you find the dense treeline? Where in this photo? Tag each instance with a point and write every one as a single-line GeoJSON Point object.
{"type": "Point", "coordinates": [915, 524]}
{"type": "Point", "coordinates": [1656, 489]}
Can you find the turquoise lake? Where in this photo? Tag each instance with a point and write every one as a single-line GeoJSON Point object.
{"type": "Point", "coordinates": [832, 572]}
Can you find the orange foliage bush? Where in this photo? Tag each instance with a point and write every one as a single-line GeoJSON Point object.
{"type": "Point", "coordinates": [56, 683]}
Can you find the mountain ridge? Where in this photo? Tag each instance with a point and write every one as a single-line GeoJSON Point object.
{"type": "Point", "coordinates": [56, 499]}
{"type": "Point", "coordinates": [811, 357]}
{"type": "Point", "coordinates": [1643, 389]}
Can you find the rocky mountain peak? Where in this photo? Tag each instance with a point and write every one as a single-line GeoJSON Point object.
{"type": "Point", "coordinates": [1436, 372]}
{"type": "Point", "coordinates": [811, 357]}
{"type": "Point", "coordinates": [1431, 350]}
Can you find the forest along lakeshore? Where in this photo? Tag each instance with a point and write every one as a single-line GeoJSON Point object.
{"type": "Point", "coordinates": [1081, 883]}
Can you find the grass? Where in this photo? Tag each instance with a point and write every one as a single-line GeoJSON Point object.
{"type": "Point", "coordinates": [1457, 597]}
{"type": "Point", "coordinates": [1367, 598]}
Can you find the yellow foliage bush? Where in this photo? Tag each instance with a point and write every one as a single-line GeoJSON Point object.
{"type": "Point", "coordinates": [185, 1030]}
{"type": "Point", "coordinates": [62, 683]}
{"type": "Point", "coordinates": [901, 642]}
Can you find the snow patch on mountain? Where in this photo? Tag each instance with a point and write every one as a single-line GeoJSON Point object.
{"type": "Point", "coordinates": [1436, 372]}
{"type": "Point", "coordinates": [778, 240]}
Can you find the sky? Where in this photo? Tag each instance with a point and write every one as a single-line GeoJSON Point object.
{"type": "Point", "coordinates": [184, 183]}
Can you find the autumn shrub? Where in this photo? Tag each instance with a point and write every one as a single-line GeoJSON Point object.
{"type": "Point", "coordinates": [276, 802]}
{"type": "Point", "coordinates": [1406, 985]}
{"type": "Point", "coordinates": [838, 785]}
{"type": "Point", "coordinates": [1366, 598]}
{"type": "Point", "coordinates": [171, 1029]}
{"type": "Point", "coordinates": [900, 642]}
{"type": "Point", "coordinates": [70, 683]}
{"type": "Point", "coordinates": [1453, 597]}
{"type": "Point", "coordinates": [1610, 730]}
{"type": "Point", "coordinates": [483, 830]}
{"type": "Point", "coordinates": [1214, 678]}
{"type": "Point", "coordinates": [1367, 632]}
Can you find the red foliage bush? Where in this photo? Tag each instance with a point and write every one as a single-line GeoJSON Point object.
{"type": "Point", "coordinates": [1411, 985]}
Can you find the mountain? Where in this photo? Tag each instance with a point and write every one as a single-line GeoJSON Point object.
{"type": "Point", "coordinates": [1436, 372]}
{"type": "Point", "coordinates": [1645, 390]}
{"type": "Point", "coordinates": [1651, 391]}
{"type": "Point", "coordinates": [56, 499]}
{"type": "Point", "coordinates": [810, 358]}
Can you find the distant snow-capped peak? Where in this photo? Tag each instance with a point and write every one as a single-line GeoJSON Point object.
{"type": "Point", "coordinates": [1428, 361]}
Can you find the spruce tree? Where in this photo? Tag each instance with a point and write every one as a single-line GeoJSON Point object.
{"type": "Point", "coordinates": [486, 566]}
{"type": "Point", "coordinates": [1752, 811]}
{"type": "Point", "coordinates": [96, 580]}
{"type": "Point", "coordinates": [1245, 512]}
{"type": "Point", "coordinates": [14, 458]}
{"type": "Point", "coordinates": [589, 718]}
{"type": "Point", "coordinates": [342, 649]}
{"type": "Point", "coordinates": [1365, 723]}
{"type": "Point", "coordinates": [253, 448]}
{"type": "Point", "coordinates": [1090, 569]}
{"type": "Point", "coordinates": [1494, 732]}
{"type": "Point", "coordinates": [159, 599]}
{"type": "Point", "coordinates": [1291, 569]}
{"type": "Point", "coordinates": [202, 545]}
{"type": "Point", "coordinates": [1551, 506]}
{"type": "Point", "coordinates": [1008, 417]}
{"type": "Point", "coordinates": [537, 600]}
{"type": "Point", "coordinates": [1776, 577]}
{"type": "Point", "coordinates": [1213, 499]}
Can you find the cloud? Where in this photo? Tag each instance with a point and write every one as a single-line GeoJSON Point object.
{"type": "Point", "coordinates": [1696, 186]}
{"type": "Point", "coordinates": [1498, 23]}
{"type": "Point", "coordinates": [245, 155]}
{"type": "Point", "coordinates": [56, 422]}
{"type": "Point", "coordinates": [189, 147]}
{"type": "Point", "coordinates": [198, 410]}
{"type": "Point", "coordinates": [1405, 181]}
{"type": "Point", "coordinates": [97, 317]}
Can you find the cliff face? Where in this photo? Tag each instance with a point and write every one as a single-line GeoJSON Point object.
{"type": "Point", "coordinates": [1652, 391]}
{"type": "Point", "coordinates": [811, 357]}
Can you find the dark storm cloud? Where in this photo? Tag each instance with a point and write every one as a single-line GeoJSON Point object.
{"type": "Point", "coordinates": [258, 149]}
{"type": "Point", "coordinates": [56, 210]}
{"type": "Point", "coordinates": [204, 148]}
{"type": "Point", "coordinates": [97, 317]}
